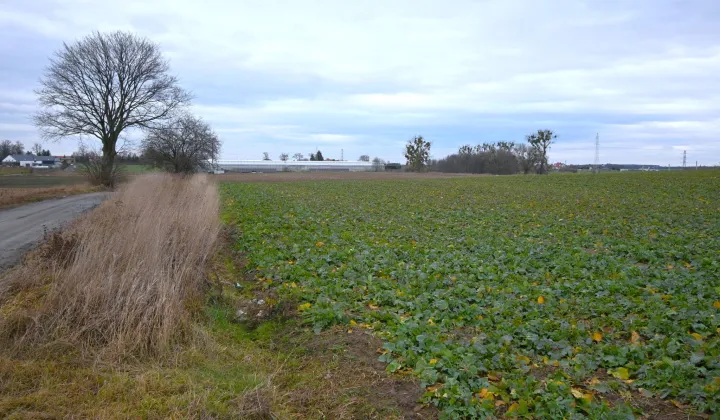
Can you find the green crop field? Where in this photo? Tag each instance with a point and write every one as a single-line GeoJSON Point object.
{"type": "Point", "coordinates": [556, 297]}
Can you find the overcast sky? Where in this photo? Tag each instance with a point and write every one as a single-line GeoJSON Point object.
{"type": "Point", "coordinates": [365, 76]}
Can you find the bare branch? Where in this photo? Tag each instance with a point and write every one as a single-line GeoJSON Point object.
{"type": "Point", "coordinates": [185, 144]}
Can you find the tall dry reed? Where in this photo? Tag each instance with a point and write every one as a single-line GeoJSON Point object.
{"type": "Point", "coordinates": [136, 266]}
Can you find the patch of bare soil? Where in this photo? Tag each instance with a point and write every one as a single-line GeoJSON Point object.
{"type": "Point", "coordinates": [354, 371]}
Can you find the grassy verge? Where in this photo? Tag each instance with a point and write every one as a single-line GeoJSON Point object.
{"type": "Point", "coordinates": [128, 314]}
{"type": "Point", "coordinates": [10, 197]}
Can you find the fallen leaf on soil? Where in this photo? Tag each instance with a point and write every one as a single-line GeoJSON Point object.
{"type": "Point", "coordinates": [434, 388]}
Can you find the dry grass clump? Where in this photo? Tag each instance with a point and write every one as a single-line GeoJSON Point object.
{"type": "Point", "coordinates": [125, 277]}
{"type": "Point", "coordinates": [17, 196]}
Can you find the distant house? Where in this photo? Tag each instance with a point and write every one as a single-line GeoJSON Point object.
{"type": "Point", "coordinates": [29, 161]}
{"type": "Point", "coordinates": [21, 160]}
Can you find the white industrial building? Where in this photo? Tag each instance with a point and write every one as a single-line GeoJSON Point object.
{"type": "Point", "coordinates": [296, 166]}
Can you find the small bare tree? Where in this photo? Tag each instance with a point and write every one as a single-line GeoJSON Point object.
{"type": "Point", "coordinates": [526, 157]}
{"type": "Point", "coordinates": [417, 153]}
{"type": "Point", "coordinates": [284, 157]}
{"type": "Point", "coordinates": [378, 164]}
{"type": "Point", "coordinates": [103, 84]}
{"type": "Point", "coordinates": [298, 156]}
{"type": "Point", "coordinates": [37, 149]}
{"type": "Point", "coordinates": [364, 158]}
{"type": "Point", "coordinates": [541, 142]}
{"type": "Point", "coordinates": [184, 145]}
{"type": "Point", "coordinates": [266, 156]}
{"type": "Point", "coordinates": [6, 148]}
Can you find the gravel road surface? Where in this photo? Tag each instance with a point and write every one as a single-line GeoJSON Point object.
{"type": "Point", "coordinates": [21, 228]}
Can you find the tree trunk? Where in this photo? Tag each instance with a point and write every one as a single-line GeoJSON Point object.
{"type": "Point", "coordinates": [107, 176]}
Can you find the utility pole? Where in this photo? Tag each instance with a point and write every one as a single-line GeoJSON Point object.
{"type": "Point", "coordinates": [342, 155]}
{"type": "Point", "coordinates": [597, 153]}
{"type": "Point", "coordinates": [684, 159]}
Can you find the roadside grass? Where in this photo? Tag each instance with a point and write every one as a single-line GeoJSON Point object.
{"type": "Point", "coordinates": [10, 197]}
{"type": "Point", "coordinates": [271, 371]}
{"type": "Point", "coordinates": [132, 312]}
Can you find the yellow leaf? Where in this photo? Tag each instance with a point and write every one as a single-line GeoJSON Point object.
{"type": "Point", "coordinates": [677, 404]}
{"type": "Point", "coordinates": [353, 323]}
{"type": "Point", "coordinates": [597, 336]}
{"type": "Point", "coordinates": [717, 304]}
{"type": "Point", "coordinates": [304, 306]}
{"type": "Point", "coordinates": [594, 381]}
{"type": "Point", "coordinates": [493, 378]}
{"type": "Point", "coordinates": [541, 300]}
{"type": "Point", "coordinates": [697, 336]}
{"type": "Point", "coordinates": [523, 359]}
{"type": "Point", "coordinates": [433, 361]}
{"type": "Point", "coordinates": [373, 307]}
{"type": "Point", "coordinates": [483, 393]}
{"type": "Point", "coordinates": [349, 331]}
{"type": "Point", "coordinates": [431, 322]}
{"type": "Point", "coordinates": [513, 407]}
{"type": "Point", "coordinates": [499, 403]}
{"type": "Point", "coordinates": [634, 337]}
{"type": "Point", "coordinates": [319, 244]}
{"type": "Point", "coordinates": [434, 388]}
{"type": "Point", "coordinates": [576, 393]}
{"type": "Point", "coordinates": [621, 373]}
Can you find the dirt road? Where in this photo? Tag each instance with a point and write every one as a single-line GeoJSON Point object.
{"type": "Point", "coordinates": [21, 228]}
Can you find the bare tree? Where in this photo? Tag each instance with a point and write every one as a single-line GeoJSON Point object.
{"type": "Point", "coordinates": [103, 84]}
{"type": "Point", "coordinates": [417, 153]}
{"type": "Point", "coordinates": [541, 141]}
{"type": "Point", "coordinates": [18, 148]}
{"type": "Point", "coordinates": [298, 156]}
{"type": "Point", "coordinates": [266, 156]}
{"type": "Point", "coordinates": [364, 158]}
{"type": "Point", "coordinates": [284, 157]}
{"type": "Point", "coordinates": [183, 145]}
{"type": "Point", "coordinates": [37, 149]}
{"type": "Point", "coordinates": [378, 164]}
{"type": "Point", "coordinates": [526, 157]}
{"type": "Point", "coordinates": [6, 148]}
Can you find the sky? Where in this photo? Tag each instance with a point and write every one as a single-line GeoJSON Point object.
{"type": "Point", "coordinates": [363, 77]}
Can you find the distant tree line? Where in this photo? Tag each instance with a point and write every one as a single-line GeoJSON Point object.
{"type": "Point", "coordinates": [501, 158]}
